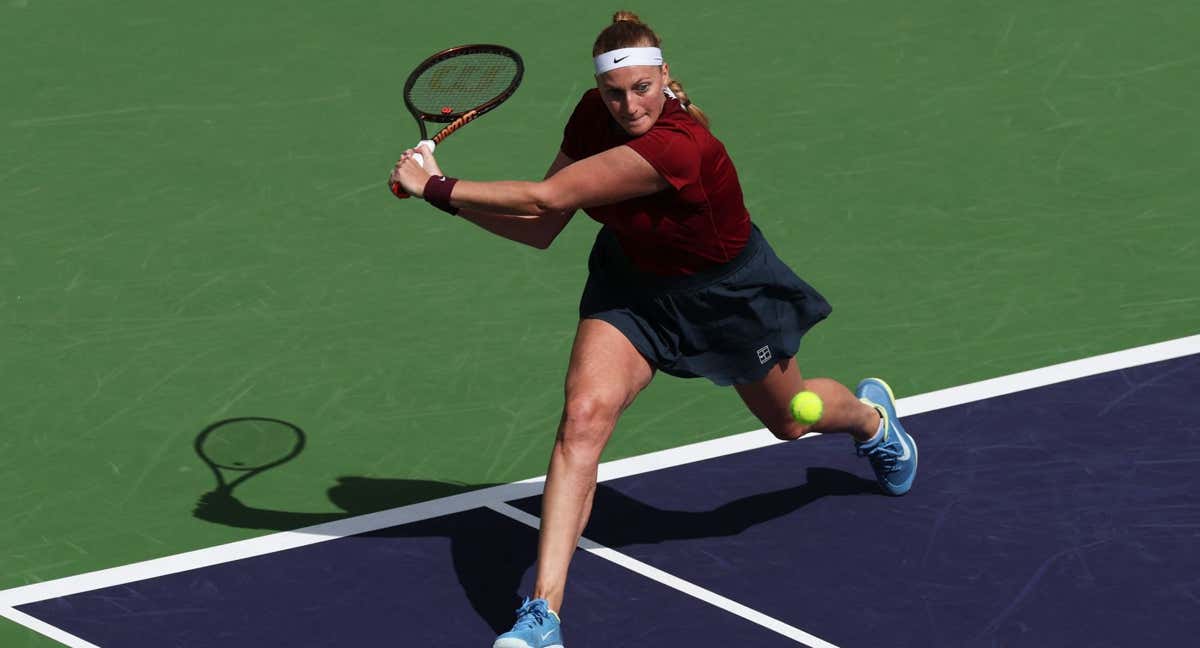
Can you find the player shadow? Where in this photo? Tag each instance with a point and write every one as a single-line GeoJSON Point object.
{"type": "Point", "coordinates": [493, 561]}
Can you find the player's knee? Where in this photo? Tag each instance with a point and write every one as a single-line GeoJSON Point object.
{"type": "Point", "coordinates": [588, 418]}
{"type": "Point", "coordinates": [788, 430]}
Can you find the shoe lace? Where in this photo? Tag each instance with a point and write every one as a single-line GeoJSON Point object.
{"type": "Point", "coordinates": [531, 614]}
{"type": "Point", "coordinates": [884, 455]}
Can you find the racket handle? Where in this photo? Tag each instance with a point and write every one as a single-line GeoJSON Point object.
{"type": "Point", "coordinates": [431, 145]}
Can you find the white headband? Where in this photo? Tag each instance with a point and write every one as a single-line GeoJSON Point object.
{"type": "Point", "coordinates": [628, 56]}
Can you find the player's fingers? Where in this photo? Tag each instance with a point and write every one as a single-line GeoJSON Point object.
{"type": "Point", "coordinates": [427, 161]}
{"type": "Point", "coordinates": [405, 159]}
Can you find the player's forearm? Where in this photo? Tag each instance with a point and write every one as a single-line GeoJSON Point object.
{"type": "Point", "coordinates": [514, 197]}
{"type": "Point", "coordinates": [535, 231]}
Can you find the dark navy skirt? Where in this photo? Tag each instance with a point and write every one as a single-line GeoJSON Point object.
{"type": "Point", "coordinates": [730, 324]}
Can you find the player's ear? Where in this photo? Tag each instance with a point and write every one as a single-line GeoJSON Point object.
{"type": "Point", "coordinates": [666, 71]}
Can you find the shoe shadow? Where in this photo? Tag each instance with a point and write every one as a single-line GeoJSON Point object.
{"type": "Point", "coordinates": [490, 562]}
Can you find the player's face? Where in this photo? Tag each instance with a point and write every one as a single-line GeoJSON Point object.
{"type": "Point", "coordinates": [634, 95]}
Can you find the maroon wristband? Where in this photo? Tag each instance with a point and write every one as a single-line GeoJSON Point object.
{"type": "Point", "coordinates": [437, 193]}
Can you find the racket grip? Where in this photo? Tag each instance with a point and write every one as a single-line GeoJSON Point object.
{"type": "Point", "coordinates": [429, 144]}
{"type": "Point", "coordinates": [420, 159]}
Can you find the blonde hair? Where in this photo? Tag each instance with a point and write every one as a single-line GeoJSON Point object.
{"type": "Point", "coordinates": [627, 30]}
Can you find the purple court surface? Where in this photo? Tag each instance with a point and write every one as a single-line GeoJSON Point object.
{"type": "Point", "coordinates": [1066, 515]}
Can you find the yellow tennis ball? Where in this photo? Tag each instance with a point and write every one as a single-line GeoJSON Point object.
{"type": "Point", "coordinates": [807, 407]}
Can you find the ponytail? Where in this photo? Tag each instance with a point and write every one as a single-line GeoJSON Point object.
{"type": "Point", "coordinates": [692, 109]}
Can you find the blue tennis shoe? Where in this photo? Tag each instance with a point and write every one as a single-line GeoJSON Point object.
{"type": "Point", "coordinates": [893, 453]}
{"type": "Point", "coordinates": [536, 627]}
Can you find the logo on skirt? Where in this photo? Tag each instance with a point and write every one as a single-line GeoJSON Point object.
{"type": "Point", "coordinates": [764, 354]}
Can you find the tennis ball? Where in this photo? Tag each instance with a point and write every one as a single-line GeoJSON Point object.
{"type": "Point", "coordinates": [807, 407]}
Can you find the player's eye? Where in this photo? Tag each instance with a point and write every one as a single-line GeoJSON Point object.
{"type": "Point", "coordinates": [641, 88]}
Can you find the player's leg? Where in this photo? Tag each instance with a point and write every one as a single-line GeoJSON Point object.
{"type": "Point", "coordinates": [770, 397]}
{"type": "Point", "coordinates": [604, 376]}
{"type": "Point", "coordinates": [868, 415]}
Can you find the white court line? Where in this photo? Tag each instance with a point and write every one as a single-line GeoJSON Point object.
{"type": "Point", "coordinates": [33, 623]}
{"type": "Point", "coordinates": [1035, 378]}
{"type": "Point", "coordinates": [610, 470]}
{"type": "Point", "coordinates": [675, 582]}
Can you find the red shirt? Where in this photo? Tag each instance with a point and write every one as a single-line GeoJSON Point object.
{"type": "Point", "coordinates": [700, 222]}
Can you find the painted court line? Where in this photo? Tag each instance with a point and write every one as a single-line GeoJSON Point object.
{"type": "Point", "coordinates": [1058, 373]}
{"type": "Point", "coordinates": [610, 470]}
{"type": "Point", "coordinates": [674, 582]}
{"type": "Point", "coordinates": [33, 623]}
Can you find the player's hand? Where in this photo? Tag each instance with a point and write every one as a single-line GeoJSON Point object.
{"type": "Point", "coordinates": [412, 176]}
{"type": "Point", "coordinates": [431, 163]}
{"type": "Point", "coordinates": [217, 506]}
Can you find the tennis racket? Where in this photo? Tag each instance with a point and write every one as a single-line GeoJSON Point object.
{"type": "Point", "coordinates": [457, 86]}
{"type": "Point", "coordinates": [247, 446]}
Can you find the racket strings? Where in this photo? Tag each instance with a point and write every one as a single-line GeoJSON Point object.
{"type": "Point", "coordinates": [249, 445]}
{"type": "Point", "coordinates": [456, 85]}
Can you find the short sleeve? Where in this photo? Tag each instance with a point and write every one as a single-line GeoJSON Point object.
{"type": "Point", "coordinates": [672, 152]}
{"type": "Point", "coordinates": [576, 132]}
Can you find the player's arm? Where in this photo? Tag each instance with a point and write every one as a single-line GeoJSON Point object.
{"type": "Point", "coordinates": [538, 231]}
{"type": "Point", "coordinates": [615, 175]}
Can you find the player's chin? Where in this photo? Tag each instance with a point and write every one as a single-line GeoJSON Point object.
{"type": "Point", "coordinates": [639, 126]}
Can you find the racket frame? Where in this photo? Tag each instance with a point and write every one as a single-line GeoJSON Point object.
{"type": "Point", "coordinates": [227, 487]}
{"type": "Point", "coordinates": [463, 116]}
{"type": "Point", "coordinates": [457, 119]}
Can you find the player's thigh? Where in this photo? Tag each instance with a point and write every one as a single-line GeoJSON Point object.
{"type": "Point", "coordinates": [605, 370]}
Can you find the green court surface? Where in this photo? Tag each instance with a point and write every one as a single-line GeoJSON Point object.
{"type": "Point", "coordinates": [196, 227]}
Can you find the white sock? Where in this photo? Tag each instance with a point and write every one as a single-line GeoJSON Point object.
{"type": "Point", "coordinates": [878, 431]}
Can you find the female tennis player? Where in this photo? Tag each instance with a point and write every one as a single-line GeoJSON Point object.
{"type": "Point", "coordinates": [680, 281]}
